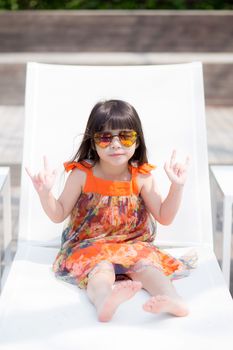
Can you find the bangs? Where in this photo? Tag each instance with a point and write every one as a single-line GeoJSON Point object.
{"type": "Point", "coordinates": [115, 121]}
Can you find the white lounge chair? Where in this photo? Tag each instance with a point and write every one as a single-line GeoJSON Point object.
{"type": "Point", "coordinates": [37, 311]}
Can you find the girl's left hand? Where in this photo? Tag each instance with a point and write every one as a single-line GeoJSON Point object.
{"type": "Point", "coordinates": [176, 172]}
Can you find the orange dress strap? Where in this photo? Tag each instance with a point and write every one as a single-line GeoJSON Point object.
{"type": "Point", "coordinates": [83, 165]}
{"type": "Point", "coordinates": [139, 169]}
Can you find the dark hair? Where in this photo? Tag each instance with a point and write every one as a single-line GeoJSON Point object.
{"type": "Point", "coordinates": [111, 114]}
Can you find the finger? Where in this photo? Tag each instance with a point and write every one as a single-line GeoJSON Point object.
{"type": "Point", "coordinates": [36, 177]}
{"type": "Point", "coordinates": [29, 173]}
{"type": "Point", "coordinates": [41, 177]}
{"type": "Point", "coordinates": [181, 170]}
{"type": "Point", "coordinates": [173, 157]}
{"type": "Point", "coordinates": [46, 164]}
{"type": "Point", "coordinates": [176, 168]}
{"type": "Point", "coordinates": [166, 166]}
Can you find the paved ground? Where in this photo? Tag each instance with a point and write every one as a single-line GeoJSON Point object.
{"type": "Point", "coordinates": [219, 122]}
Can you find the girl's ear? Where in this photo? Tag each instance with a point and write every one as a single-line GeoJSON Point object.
{"type": "Point", "coordinates": [137, 144]}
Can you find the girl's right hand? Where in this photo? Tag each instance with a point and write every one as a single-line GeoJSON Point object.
{"type": "Point", "coordinates": [45, 179]}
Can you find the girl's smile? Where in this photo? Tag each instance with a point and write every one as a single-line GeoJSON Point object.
{"type": "Point", "coordinates": [116, 154]}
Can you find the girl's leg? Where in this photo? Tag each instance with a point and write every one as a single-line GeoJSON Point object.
{"type": "Point", "coordinates": [102, 294]}
{"type": "Point", "coordinates": [164, 296]}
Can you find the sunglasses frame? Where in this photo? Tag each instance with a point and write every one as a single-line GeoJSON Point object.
{"type": "Point", "coordinates": [98, 135]}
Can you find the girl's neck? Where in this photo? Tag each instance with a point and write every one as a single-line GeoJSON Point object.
{"type": "Point", "coordinates": [110, 172]}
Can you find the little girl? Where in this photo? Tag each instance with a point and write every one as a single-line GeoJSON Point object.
{"type": "Point", "coordinates": [114, 202]}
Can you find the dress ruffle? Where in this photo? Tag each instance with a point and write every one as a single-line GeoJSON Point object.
{"type": "Point", "coordinates": [145, 168]}
{"type": "Point", "coordinates": [71, 165]}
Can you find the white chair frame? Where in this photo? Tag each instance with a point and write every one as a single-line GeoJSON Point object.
{"type": "Point", "coordinates": [36, 310]}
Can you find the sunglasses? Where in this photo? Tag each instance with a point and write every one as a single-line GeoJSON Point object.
{"type": "Point", "coordinates": [126, 138]}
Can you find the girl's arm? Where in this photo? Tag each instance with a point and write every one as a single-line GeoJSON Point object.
{"type": "Point", "coordinates": [164, 211]}
{"type": "Point", "coordinates": [57, 209]}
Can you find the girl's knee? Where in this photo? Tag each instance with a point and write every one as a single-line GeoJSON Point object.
{"type": "Point", "coordinates": [103, 270]}
{"type": "Point", "coordinates": [142, 269]}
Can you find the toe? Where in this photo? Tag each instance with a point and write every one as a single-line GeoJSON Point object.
{"type": "Point", "coordinates": [137, 285]}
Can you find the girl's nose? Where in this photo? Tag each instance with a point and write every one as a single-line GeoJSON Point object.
{"type": "Point", "coordinates": [115, 141]}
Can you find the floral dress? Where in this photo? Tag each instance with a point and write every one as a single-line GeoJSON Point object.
{"type": "Point", "coordinates": [110, 223]}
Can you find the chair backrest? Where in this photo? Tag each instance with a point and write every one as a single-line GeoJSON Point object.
{"type": "Point", "coordinates": [170, 102]}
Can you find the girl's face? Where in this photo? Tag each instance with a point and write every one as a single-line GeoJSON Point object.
{"type": "Point", "coordinates": [116, 147]}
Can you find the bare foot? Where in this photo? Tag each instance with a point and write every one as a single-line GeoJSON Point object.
{"type": "Point", "coordinates": [164, 303]}
{"type": "Point", "coordinates": [120, 293]}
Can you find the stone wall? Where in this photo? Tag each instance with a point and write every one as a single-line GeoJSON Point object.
{"type": "Point", "coordinates": [119, 31]}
